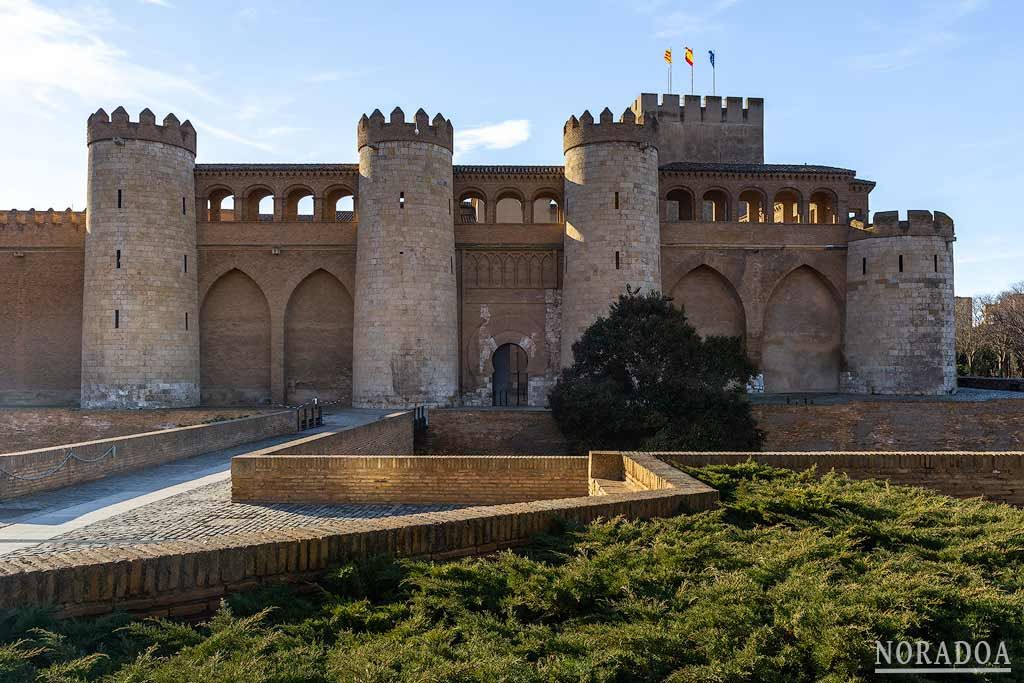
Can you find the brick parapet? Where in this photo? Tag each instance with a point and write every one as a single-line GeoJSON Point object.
{"type": "Point", "coordinates": [126, 453]}
{"type": "Point", "coordinates": [117, 126]}
{"type": "Point", "coordinates": [374, 129]}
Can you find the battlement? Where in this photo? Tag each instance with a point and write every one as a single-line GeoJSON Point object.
{"type": "Point", "coordinates": [694, 110]}
{"type": "Point", "coordinates": [65, 218]}
{"type": "Point", "coordinates": [374, 128]}
{"type": "Point", "coordinates": [117, 125]}
{"type": "Point", "coordinates": [629, 128]}
{"type": "Point", "coordinates": [919, 223]}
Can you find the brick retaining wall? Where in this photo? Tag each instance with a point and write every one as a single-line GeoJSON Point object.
{"type": "Point", "coordinates": [134, 452]}
{"type": "Point", "coordinates": [493, 431]}
{"type": "Point", "coordinates": [416, 479]}
{"type": "Point", "coordinates": [189, 577]}
{"type": "Point", "coordinates": [906, 425]}
{"type": "Point", "coordinates": [995, 476]}
{"type": "Point", "coordinates": [390, 435]}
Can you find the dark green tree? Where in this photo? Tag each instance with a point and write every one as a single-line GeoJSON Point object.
{"type": "Point", "coordinates": [643, 379]}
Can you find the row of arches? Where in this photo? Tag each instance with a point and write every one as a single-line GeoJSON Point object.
{"type": "Point", "coordinates": [802, 331]}
{"type": "Point", "coordinates": [509, 206]}
{"type": "Point", "coordinates": [751, 205]}
{"type": "Point", "coordinates": [298, 203]}
{"type": "Point", "coordinates": [235, 341]}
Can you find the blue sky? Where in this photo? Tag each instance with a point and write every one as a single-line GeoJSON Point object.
{"type": "Point", "coordinates": [922, 96]}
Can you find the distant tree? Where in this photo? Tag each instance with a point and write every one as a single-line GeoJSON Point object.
{"type": "Point", "coordinates": [643, 379]}
{"type": "Point", "coordinates": [970, 335]}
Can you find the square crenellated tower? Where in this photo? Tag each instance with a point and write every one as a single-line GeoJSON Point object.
{"type": "Point", "coordinates": [703, 130]}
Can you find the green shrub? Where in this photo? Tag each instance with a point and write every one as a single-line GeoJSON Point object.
{"type": "Point", "coordinates": [643, 377]}
{"type": "Point", "coordinates": [792, 579]}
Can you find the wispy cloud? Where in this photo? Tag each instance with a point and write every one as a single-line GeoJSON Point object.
{"type": "Point", "coordinates": [932, 29]}
{"type": "Point", "coordinates": [494, 136]}
{"type": "Point", "coordinates": [698, 18]}
{"type": "Point", "coordinates": [232, 136]}
{"type": "Point", "coordinates": [158, 3]}
{"type": "Point", "coordinates": [51, 55]}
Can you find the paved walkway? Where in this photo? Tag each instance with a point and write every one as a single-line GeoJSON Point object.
{"type": "Point", "coordinates": [158, 503]}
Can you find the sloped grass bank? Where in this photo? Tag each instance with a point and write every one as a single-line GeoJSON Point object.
{"type": "Point", "coordinates": [793, 579]}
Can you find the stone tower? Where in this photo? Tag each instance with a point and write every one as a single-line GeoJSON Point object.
{"type": "Point", "coordinates": [612, 228]}
{"type": "Point", "coordinates": [405, 337]}
{"type": "Point", "coordinates": [899, 306]}
{"type": "Point", "coordinates": [140, 327]}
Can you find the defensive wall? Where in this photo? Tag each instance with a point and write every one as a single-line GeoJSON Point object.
{"type": "Point", "coordinates": [190, 577]}
{"type": "Point", "coordinates": [45, 469]}
{"type": "Point", "coordinates": [492, 431]}
{"type": "Point", "coordinates": [391, 434]}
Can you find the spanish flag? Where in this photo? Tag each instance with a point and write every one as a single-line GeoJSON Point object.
{"type": "Point", "coordinates": [668, 56]}
{"type": "Point", "coordinates": [689, 56]}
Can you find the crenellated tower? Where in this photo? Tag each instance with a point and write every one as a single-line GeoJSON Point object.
{"type": "Point", "coordinates": [405, 339]}
{"type": "Point", "coordinates": [140, 331]}
{"type": "Point", "coordinates": [899, 306]}
{"type": "Point", "coordinates": [612, 231]}
{"type": "Point", "coordinates": [711, 129]}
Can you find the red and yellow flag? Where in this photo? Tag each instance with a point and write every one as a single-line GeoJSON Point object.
{"type": "Point", "coordinates": [689, 56]}
{"type": "Point", "coordinates": [668, 56]}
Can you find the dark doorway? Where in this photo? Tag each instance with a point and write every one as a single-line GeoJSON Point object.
{"type": "Point", "coordinates": [509, 381]}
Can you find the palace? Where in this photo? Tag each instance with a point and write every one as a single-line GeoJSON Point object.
{"type": "Point", "coordinates": [412, 280]}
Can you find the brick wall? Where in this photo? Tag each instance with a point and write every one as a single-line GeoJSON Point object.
{"type": "Point", "coordinates": [492, 431]}
{"type": "Point", "coordinates": [894, 426]}
{"type": "Point", "coordinates": [132, 452]}
{"type": "Point", "coordinates": [190, 577]}
{"type": "Point", "coordinates": [996, 476]}
{"type": "Point", "coordinates": [390, 435]}
{"type": "Point", "coordinates": [472, 480]}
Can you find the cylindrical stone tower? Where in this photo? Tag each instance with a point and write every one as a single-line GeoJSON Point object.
{"type": "Point", "coordinates": [899, 306]}
{"type": "Point", "coordinates": [140, 326]}
{"type": "Point", "coordinates": [612, 230]}
{"type": "Point", "coordinates": [405, 338]}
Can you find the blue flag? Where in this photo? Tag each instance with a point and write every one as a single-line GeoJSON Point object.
{"type": "Point", "coordinates": [711, 53]}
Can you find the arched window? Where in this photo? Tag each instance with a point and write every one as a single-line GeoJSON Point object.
{"type": "Point", "coordinates": [220, 206]}
{"type": "Point", "coordinates": [546, 209]}
{"type": "Point", "coordinates": [259, 205]}
{"type": "Point", "coordinates": [509, 209]}
{"type": "Point", "coordinates": [822, 208]}
{"type": "Point", "coordinates": [340, 205]}
{"type": "Point", "coordinates": [298, 205]}
{"type": "Point", "coordinates": [509, 384]}
{"type": "Point", "coordinates": [715, 206]}
{"type": "Point", "coordinates": [787, 207]}
{"type": "Point", "coordinates": [679, 205]}
{"type": "Point", "coordinates": [751, 207]}
{"type": "Point", "coordinates": [472, 208]}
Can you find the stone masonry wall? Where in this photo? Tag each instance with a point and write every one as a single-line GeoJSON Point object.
{"type": "Point", "coordinates": [131, 452]}
{"type": "Point", "coordinates": [608, 247]}
{"type": "Point", "coordinates": [900, 324]}
{"type": "Point", "coordinates": [391, 435]}
{"type": "Point", "coordinates": [995, 476]}
{"type": "Point", "coordinates": [492, 431]}
{"type": "Point", "coordinates": [467, 479]}
{"type": "Point", "coordinates": [405, 339]}
{"type": "Point", "coordinates": [141, 203]}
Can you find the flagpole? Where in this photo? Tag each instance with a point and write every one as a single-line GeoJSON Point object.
{"type": "Point", "coordinates": [670, 78]}
{"type": "Point", "coordinates": [691, 79]}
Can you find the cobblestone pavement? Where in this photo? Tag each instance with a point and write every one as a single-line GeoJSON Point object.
{"type": "Point", "coordinates": [205, 512]}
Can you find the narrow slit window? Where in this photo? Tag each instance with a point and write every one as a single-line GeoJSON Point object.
{"type": "Point", "coordinates": [185, 262]}
{"type": "Point", "coordinates": [901, 263]}
{"type": "Point", "coordinates": [119, 199]}
{"type": "Point", "coordinates": [182, 206]}
{"type": "Point", "coordinates": [936, 259]}
{"type": "Point", "coordinates": [864, 266]}
{"type": "Point", "coordinates": [616, 200]}
{"type": "Point", "coordinates": [401, 200]}
{"type": "Point", "coordinates": [617, 260]}
{"type": "Point", "coordinates": [117, 259]}
{"type": "Point", "coordinates": [186, 320]}
{"type": "Point", "coordinates": [451, 264]}
{"type": "Point", "coordinates": [117, 318]}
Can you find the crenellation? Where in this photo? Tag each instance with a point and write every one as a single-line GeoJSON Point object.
{"type": "Point", "coordinates": [374, 129]}
{"type": "Point", "coordinates": [118, 126]}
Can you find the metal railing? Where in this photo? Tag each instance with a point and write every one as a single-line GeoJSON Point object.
{"type": "Point", "coordinates": [514, 393]}
{"type": "Point", "coordinates": [310, 415]}
{"type": "Point", "coordinates": [419, 419]}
